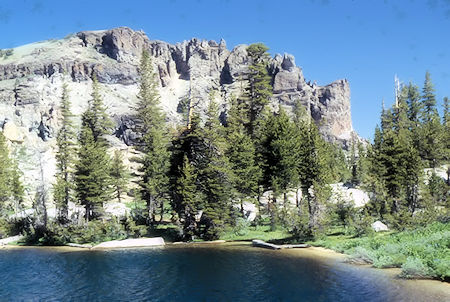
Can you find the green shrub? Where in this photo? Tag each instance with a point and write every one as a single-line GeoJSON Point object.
{"type": "Point", "coordinates": [414, 268]}
{"type": "Point", "coordinates": [362, 255]}
{"type": "Point", "coordinates": [242, 227]}
{"type": "Point", "coordinates": [421, 252]}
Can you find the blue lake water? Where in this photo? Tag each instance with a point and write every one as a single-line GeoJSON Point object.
{"type": "Point", "coordinates": [186, 273]}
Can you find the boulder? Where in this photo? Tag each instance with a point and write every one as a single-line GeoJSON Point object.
{"type": "Point", "coordinates": [378, 226]}
{"type": "Point", "coordinates": [8, 240]}
{"type": "Point", "coordinates": [12, 132]}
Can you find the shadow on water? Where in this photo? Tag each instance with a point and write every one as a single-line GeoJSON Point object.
{"type": "Point", "coordinates": [193, 273]}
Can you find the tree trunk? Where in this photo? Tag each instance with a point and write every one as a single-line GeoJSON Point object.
{"type": "Point", "coordinates": [161, 211]}
{"type": "Point", "coordinates": [150, 210]}
{"type": "Point", "coordinates": [271, 208]}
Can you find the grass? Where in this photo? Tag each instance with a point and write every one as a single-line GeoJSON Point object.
{"type": "Point", "coordinates": [420, 253]}
{"type": "Point", "coordinates": [258, 232]}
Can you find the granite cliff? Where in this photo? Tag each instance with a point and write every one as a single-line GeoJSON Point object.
{"type": "Point", "coordinates": [31, 81]}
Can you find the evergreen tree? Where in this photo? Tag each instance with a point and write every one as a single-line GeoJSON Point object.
{"type": "Point", "coordinates": [281, 144]}
{"type": "Point", "coordinates": [395, 168]}
{"type": "Point", "coordinates": [65, 141]}
{"type": "Point", "coordinates": [188, 200]}
{"type": "Point", "coordinates": [11, 188]}
{"type": "Point", "coordinates": [5, 170]}
{"type": "Point", "coordinates": [153, 140]}
{"type": "Point", "coordinates": [119, 175]}
{"type": "Point", "coordinates": [96, 117]}
{"type": "Point", "coordinates": [312, 169]}
{"type": "Point", "coordinates": [446, 129]}
{"type": "Point", "coordinates": [259, 90]}
{"type": "Point", "coordinates": [242, 156]}
{"type": "Point", "coordinates": [362, 164]}
{"type": "Point", "coordinates": [92, 178]}
{"type": "Point", "coordinates": [431, 132]}
{"type": "Point", "coordinates": [414, 110]}
{"type": "Point", "coordinates": [215, 175]}
{"type": "Point", "coordinates": [354, 164]}
{"type": "Point", "coordinates": [205, 147]}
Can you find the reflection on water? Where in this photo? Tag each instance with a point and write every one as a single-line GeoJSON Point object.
{"type": "Point", "coordinates": [180, 273]}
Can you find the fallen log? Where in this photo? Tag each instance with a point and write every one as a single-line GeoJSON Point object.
{"type": "Point", "coordinates": [295, 246]}
{"type": "Point", "coordinates": [260, 243]}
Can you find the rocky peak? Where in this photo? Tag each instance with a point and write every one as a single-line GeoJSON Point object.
{"type": "Point", "coordinates": [31, 80]}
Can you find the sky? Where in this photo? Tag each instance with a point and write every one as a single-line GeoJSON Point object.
{"type": "Point", "coordinates": [367, 42]}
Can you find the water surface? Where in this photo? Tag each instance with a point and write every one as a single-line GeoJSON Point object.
{"type": "Point", "coordinates": [202, 273]}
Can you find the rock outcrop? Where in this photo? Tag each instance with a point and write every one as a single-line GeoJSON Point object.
{"type": "Point", "coordinates": [31, 83]}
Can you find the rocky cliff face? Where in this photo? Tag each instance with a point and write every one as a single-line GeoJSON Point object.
{"type": "Point", "coordinates": [31, 82]}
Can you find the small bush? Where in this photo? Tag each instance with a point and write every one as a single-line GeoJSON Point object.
{"type": "Point", "coordinates": [242, 227]}
{"type": "Point", "coordinates": [414, 268]}
{"type": "Point", "coordinates": [361, 255]}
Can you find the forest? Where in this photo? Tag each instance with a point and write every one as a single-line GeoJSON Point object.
{"type": "Point", "coordinates": [192, 182]}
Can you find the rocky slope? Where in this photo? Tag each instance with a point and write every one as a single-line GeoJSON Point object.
{"type": "Point", "coordinates": [31, 82]}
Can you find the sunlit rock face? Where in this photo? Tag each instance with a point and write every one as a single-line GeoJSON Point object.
{"type": "Point", "coordinates": [31, 82]}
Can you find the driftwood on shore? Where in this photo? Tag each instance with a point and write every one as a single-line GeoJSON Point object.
{"type": "Point", "coordinates": [130, 243]}
{"type": "Point", "coordinates": [263, 244]}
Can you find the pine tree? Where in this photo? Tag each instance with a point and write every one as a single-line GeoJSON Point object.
{"type": "Point", "coordinates": [65, 141]}
{"type": "Point", "coordinates": [153, 140]}
{"type": "Point", "coordinates": [215, 175]}
{"type": "Point", "coordinates": [96, 117]}
{"type": "Point", "coordinates": [92, 168]}
{"type": "Point", "coordinates": [242, 155]}
{"type": "Point", "coordinates": [119, 175]}
{"type": "Point", "coordinates": [5, 168]}
{"type": "Point", "coordinates": [354, 164]}
{"type": "Point", "coordinates": [92, 178]}
{"type": "Point", "coordinates": [376, 171]}
{"type": "Point", "coordinates": [414, 110]}
{"type": "Point", "coordinates": [312, 169]}
{"type": "Point", "coordinates": [446, 128]}
{"type": "Point", "coordinates": [11, 188]}
{"type": "Point", "coordinates": [259, 90]}
{"type": "Point", "coordinates": [187, 197]}
{"type": "Point", "coordinates": [431, 131]}
{"type": "Point", "coordinates": [281, 144]}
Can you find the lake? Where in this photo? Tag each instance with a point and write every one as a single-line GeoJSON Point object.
{"type": "Point", "coordinates": [199, 273]}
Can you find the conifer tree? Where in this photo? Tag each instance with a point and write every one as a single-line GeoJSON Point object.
{"type": "Point", "coordinates": [188, 200]}
{"type": "Point", "coordinates": [242, 155]}
{"type": "Point", "coordinates": [92, 178]}
{"type": "Point", "coordinates": [431, 132]}
{"type": "Point", "coordinates": [446, 128]}
{"type": "Point", "coordinates": [354, 164]}
{"type": "Point", "coordinates": [5, 170]}
{"type": "Point", "coordinates": [312, 169]}
{"type": "Point", "coordinates": [281, 144]}
{"type": "Point", "coordinates": [65, 141]}
{"type": "Point", "coordinates": [119, 175]}
{"type": "Point", "coordinates": [215, 175]}
{"type": "Point", "coordinates": [153, 140]}
{"type": "Point", "coordinates": [376, 171]}
{"type": "Point", "coordinates": [412, 95]}
{"type": "Point", "coordinates": [361, 163]}
{"type": "Point", "coordinates": [259, 90]}
{"type": "Point", "coordinates": [11, 188]}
